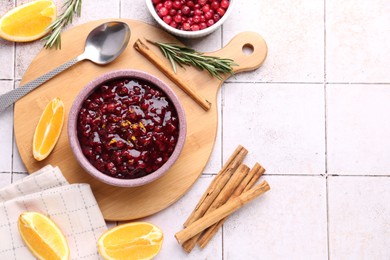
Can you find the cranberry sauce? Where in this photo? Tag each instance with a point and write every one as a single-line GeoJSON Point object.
{"type": "Point", "coordinates": [127, 128]}
{"type": "Point", "coordinates": [191, 15]}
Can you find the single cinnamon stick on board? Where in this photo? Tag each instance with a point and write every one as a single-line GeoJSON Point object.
{"type": "Point", "coordinates": [253, 176]}
{"type": "Point", "coordinates": [222, 197]}
{"type": "Point", "coordinates": [217, 184]}
{"type": "Point", "coordinates": [152, 57]}
{"type": "Point", "coordinates": [221, 212]}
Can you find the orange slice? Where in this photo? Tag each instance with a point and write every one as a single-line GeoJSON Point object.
{"type": "Point", "coordinates": [48, 129]}
{"type": "Point", "coordinates": [42, 236]}
{"type": "Point", "coordinates": [28, 22]}
{"type": "Point", "coordinates": [138, 240]}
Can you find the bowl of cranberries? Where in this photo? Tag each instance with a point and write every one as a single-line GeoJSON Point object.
{"type": "Point", "coordinates": [190, 18]}
{"type": "Point", "coordinates": [126, 128]}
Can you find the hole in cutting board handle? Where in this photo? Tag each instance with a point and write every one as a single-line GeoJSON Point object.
{"type": "Point", "coordinates": [248, 49]}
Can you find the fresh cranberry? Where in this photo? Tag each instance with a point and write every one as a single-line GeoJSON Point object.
{"type": "Point", "coordinates": [195, 27]}
{"type": "Point", "coordinates": [221, 11]}
{"type": "Point", "coordinates": [185, 10]}
{"type": "Point", "coordinates": [158, 6]}
{"type": "Point", "coordinates": [202, 26]}
{"type": "Point", "coordinates": [190, 4]}
{"type": "Point", "coordinates": [186, 26]}
{"type": "Point", "coordinates": [168, 4]}
{"type": "Point", "coordinates": [216, 18]}
{"type": "Point", "coordinates": [208, 15]}
{"type": "Point", "coordinates": [178, 18]}
{"type": "Point", "coordinates": [196, 19]}
{"type": "Point", "coordinates": [214, 5]}
{"type": "Point", "coordinates": [224, 4]}
{"type": "Point", "coordinates": [177, 4]}
{"type": "Point", "coordinates": [198, 12]}
{"type": "Point", "coordinates": [163, 11]}
{"type": "Point", "coordinates": [206, 8]}
{"type": "Point", "coordinates": [167, 19]}
{"type": "Point", "coordinates": [172, 12]}
{"type": "Point", "coordinates": [210, 22]}
{"type": "Point", "coordinates": [202, 2]}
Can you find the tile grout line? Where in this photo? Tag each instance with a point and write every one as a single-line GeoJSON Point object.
{"type": "Point", "coordinates": [326, 138]}
{"type": "Point", "coordinates": [13, 113]}
{"type": "Point", "coordinates": [307, 83]}
{"type": "Point", "coordinates": [327, 215]}
{"type": "Point", "coordinates": [120, 9]}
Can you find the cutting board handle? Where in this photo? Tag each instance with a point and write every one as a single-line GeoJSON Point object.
{"type": "Point", "coordinates": [247, 49]}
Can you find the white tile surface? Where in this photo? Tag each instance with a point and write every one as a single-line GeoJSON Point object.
{"type": "Point", "coordinates": [6, 122]}
{"type": "Point", "coordinates": [358, 129]}
{"type": "Point", "coordinates": [6, 48]}
{"type": "Point", "coordinates": [282, 125]}
{"type": "Point", "coordinates": [95, 10]}
{"type": "Point", "coordinates": [285, 123]}
{"type": "Point", "coordinates": [288, 222]}
{"type": "Point", "coordinates": [294, 32]}
{"type": "Point", "coordinates": [357, 41]}
{"type": "Point", "coordinates": [137, 10]}
{"type": "Point", "coordinates": [5, 179]}
{"type": "Point", "coordinates": [18, 176]}
{"type": "Point", "coordinates": [359, 217]}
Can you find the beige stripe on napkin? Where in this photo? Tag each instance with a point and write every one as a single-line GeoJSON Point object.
{"type": "Point", "coordinates": [72, 207]}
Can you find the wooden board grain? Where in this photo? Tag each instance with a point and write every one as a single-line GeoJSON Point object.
{"type": "Point", "coordinates": [128, 203]}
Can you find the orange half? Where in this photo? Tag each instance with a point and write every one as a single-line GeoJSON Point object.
{"type": "Point", "coordinates": [42, 236]}
{"type": "Point", "coordinates": [48, 129]}
{"type": "Point", "coordinates": [28, 22]}
{"type": "Point", "coordinates": [138, 240]}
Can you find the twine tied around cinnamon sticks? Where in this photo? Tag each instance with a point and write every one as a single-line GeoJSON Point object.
{"type": "Point", "coordinates": [231, 188]}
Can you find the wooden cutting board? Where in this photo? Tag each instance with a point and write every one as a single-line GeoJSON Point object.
{"type": "Point", "coordinates": [129, 203]}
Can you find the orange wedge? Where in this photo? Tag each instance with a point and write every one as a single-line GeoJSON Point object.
{"type": "Point", "coordinates": [42, 236]}
{"type": "Point", "coordinates": [28, 22]}
{"type": "Point", "coordinates": [138, 240]}
{"type": "Point", "coordinates": [48, 129]}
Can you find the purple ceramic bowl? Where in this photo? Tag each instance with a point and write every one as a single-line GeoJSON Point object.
{"type": "Point", "coordinates": [74, 141]}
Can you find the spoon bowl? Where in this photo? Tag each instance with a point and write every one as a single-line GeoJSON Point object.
{"type": "Point", "coordinates": [103, 45]}
{"type": "Point", "coordinates": [106, 42]}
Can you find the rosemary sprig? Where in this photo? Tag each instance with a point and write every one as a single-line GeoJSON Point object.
{"type": "Point", "coordinates": [182, 55]}
{"type": "Point", "coordinates": [71, 7]}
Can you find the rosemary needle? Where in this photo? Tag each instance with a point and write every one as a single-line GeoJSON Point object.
{"type": "Point", "coordinates": [71, 7]}
{"type": "Point", "coordinates": [182, 55]}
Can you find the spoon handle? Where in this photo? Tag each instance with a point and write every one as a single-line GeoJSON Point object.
{"type": "Point", "coordinates": [12, 96]}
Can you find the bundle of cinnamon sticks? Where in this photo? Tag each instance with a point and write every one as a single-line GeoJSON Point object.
{"type": "Point", "coordinates": [230, 189]}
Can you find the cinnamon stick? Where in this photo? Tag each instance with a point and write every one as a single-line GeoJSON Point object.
{"type": "Point", "coordinates": [152, 57]}
{"type": "Point", "coordinates": [222, 197]}
{"type": "Point", "coordinates": [217, 184]}
{"type": "Point", "coordinates": [252, 177]}
{"type": "Point", "coordinates": [221, 212]}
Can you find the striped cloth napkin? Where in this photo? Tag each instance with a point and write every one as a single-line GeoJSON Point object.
{"type": "Point", "coordinates": [71, 206]}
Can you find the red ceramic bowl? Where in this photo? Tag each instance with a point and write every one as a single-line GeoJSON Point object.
{"type": "Point", "coordinates": [80, 154]}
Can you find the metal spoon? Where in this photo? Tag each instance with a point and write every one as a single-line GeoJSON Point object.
{"type": "Point", "coordinates": [103, 45]}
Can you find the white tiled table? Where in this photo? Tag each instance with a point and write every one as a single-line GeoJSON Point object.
{"type": "Point", "coordinates": [316, 115]}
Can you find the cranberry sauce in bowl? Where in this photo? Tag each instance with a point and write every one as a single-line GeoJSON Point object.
{"type": "Point", "coordinates": [129, 126]}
